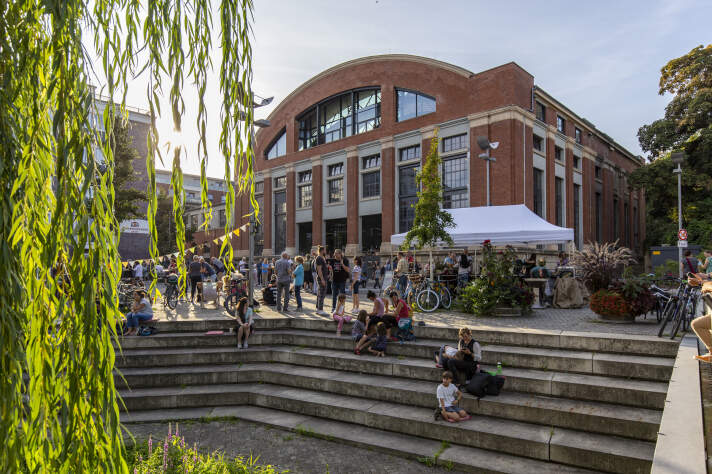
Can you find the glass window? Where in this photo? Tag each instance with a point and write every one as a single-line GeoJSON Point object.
{"type": "Point", "coordinates": [278, 147]}
{"type": "Point", "coordinates": [538, 192]}
{"type": "Point", "coordinates": [308, 131]}
{"type": "Point", "coordinates": [371, 232]}
{"type": "Point", "coordinates": [577, 215]}
{"type": "Point", "coordinates": [540, 110]}
{"type": "Point", "coordinates": [409, 153]}
{"type": "Point", "coordinates": [560, 124]}
{"type": "Point", "coordinates": [577, 162]}
{"type": "Point", "coordinates": [456, 142]}
{"type": "Point", "coordinates": [210, 197]}
{"type": "Point", "coordinates": [455, 179]}
{"type": "Point", "coordinates": [538, 143]}
{"type": "Point", "coordinates": [222, 199]}
{"type": "Point", "coordinates": [616, 216]}
{"type": "Point", "coordinates": [304, 197]}
{"type": "Point", "coordinates": [222, 220]}
{"type": "Point", "coordinates": [368, 112]}
{"type": "Point", "coordinates": [412, 104]}
{"type": "Point", "coordinates": [636, 227]}
{"type": "Point", "coordinates": [335, 118]}
{"type": "Point", "coordinates": [335, 170]}
{"type": "Point", "coordinates": [371, 184]}
{"type": "Point", "coordinates": [597, 172]}
{"type": "Point", "coordinates": [626, 224]}
{"type": "Point", "coordinates": [599, 217]}
{"type": "Point", "coordinates": [280, 182]}
{"type": "Point", "coordinates": [280, 221]}
{"type": "Point", "coordinates": [259, 187]}
{"type": "Point", "coordinates": [559, 198]}
{"type": "Point", "coordinates": [558, 153]}
{"type": "Point", "coordinates": [336, 190]}
{"type": "Point", "coordinates": [577, 134]}
{"type": "Point", "coordinates": [304, 177]}
{"type": "Point", "coordinates": [407, 196]}
{"type": "Point", "coordinates": [373, 161]}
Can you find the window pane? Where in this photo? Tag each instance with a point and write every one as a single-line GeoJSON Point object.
{"type": "Point", "coordinates": [406, 213]}
{"type": "Point", "coordinates": [259, 187]}
{"type": "Point", "coordinates": [406, 105]}
{"type": "Point", "coordinates": [457, 142]}
{"type": "Point", "coordinates": [559, 198]}
{"type": "Point", "coordinates": [455, 172]}
{"type": "Point", "coordinates": [280, 221]}
{"type": "Point", "coordinates": [279, 148]}
{"type": "Point", "coordinates": [308, 130]}
{"type": "Point", "coordinates": [426, 105]}
{"type": "Point", "coordinates": [577, 214]}
{"type": "Point", "coordinates": [368, 115]}
{"type": "Point", "coordinates": [454, 200]}
{"type": "Point", "coordinates": [558, 153]}
{"type": "Point", "coordinates": [336, 190]}
{"type": "Point", "coordinates": [407, 185]}
{"type": "Point", "coordinates": [305, 177]}
{"type": "Point", "coordinates": [305, 195]}
{"type": "Point", "coordinates": [372, 161]}
{"type": "Point", "coordinates": [371, 184]}
{"type": "Point", "coordinates": [335, 170]}
{"type": "Point", "coordinates": [538, 143]}
{"type": "Point", "coordinates": [410, 153]}
{"type": "Point", "coordinates": [538, 192]}
{"type": "Point", "coordinates": [280, 182]}
{"type": "Point", "coordinates": [540, 111]}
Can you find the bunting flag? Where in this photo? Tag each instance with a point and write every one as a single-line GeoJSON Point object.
{"type": "Point", "coordinates": [215, 241]}
{"type": "Point", "coordinates": [236, 231]}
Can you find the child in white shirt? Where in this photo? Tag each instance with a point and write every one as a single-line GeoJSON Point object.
{"type": "Point", "coordinates": [448, 400]}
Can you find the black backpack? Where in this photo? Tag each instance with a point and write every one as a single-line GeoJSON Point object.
{"type": "Point", "coordinates": [478, 384]}
{"type": "Point", "coordinates": [494, 384]}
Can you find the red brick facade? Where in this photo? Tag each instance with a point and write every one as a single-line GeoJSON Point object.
{"type": "Point", "coordinates": [497, 103]}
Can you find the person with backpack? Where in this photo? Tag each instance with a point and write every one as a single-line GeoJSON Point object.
{"type": "Point", "coordinates": [689, 264]}
{"type": "Point", "coordinates": [449, 398]}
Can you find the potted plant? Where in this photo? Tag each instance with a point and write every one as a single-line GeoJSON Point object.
{"type": "Point", "coordinates": [497, 291]}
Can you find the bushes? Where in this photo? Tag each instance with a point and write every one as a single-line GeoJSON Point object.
{"type": "Point", "coordinates": [609, 303]}
{"type": "Point", "coordinates": [601, 264]}
{"type": "Point", "coordinates": [173, 456]}
{"type": "Point", "coordinates": [497, 286]}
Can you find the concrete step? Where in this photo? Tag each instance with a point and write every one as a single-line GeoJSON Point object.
{"type": "Point", "coordinates": [638, 423]}
{"type": "Point", "coordinates": [630, 366]}
{"type": "Point", "coordinates": [595, 342]}
{"type": "Point", "coordinates": [463, 458]}
{"type": "Point", "coordinates": [640, 393]}
{"type": "Point", "coordinates": [560, 445]}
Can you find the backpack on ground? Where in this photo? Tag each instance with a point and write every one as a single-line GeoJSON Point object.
{"type": "Point", "coordinates": [478, 384]}
{"type": "Point", "coordinates": [147, 331]}
{"type": "Point", "coordinates": [405, 330]}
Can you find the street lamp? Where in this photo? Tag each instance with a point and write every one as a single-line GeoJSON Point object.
{"type": "Point", "coordinates": [678, 157]}
{"type": "Point", "coordinates": [262, 123]}
{"type": "Point", "coordinates": [486, 145]}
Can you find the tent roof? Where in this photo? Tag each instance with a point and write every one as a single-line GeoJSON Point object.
{"type": "Point", "coordinates": [501, 225]}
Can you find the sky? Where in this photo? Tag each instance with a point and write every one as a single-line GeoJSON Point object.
{"type": "Point", "coordinates": [602, 59]}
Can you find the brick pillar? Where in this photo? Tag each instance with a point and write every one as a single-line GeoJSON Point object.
{"type": "Point", "coordinates": [606, 206]}
{"type": "Point", "coordinates": [569, 186]}
{"type": "Point", "coordinates": [352, 197]}
{"type": "Point", "coordinates": [478, 168]}
{"type": "Point", "coordinates": [267, 216]}
{"type": "Point", "coordinates": [317, 199]}
{"type": "Point", "coordinates": [291, 209]}
{"type": "Point", "coordinates": [550, 179]}
{"type": "Point", "coordinates": [587, 198]}
{"type": "Point", "coordinates": [388, 180]}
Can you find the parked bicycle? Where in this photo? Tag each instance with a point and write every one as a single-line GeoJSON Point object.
{"type": "Point", "coordinates": [679, 308]}
{"type": "Point", "coordinates": [170, 295]}
{"type": "Point", "coordinates": [237, 289]}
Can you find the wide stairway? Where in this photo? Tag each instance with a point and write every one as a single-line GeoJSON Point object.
{"type": "Point", "coordinates": [572, 402]}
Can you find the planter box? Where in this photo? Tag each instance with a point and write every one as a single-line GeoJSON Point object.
{"type": "Point", "coordinates": [623, 319]}
{"type": "Point", "coordinates": [505, 312]}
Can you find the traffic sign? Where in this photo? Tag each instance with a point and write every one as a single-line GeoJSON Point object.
{"type": "Point", "coordinates": [682, 243]}
{"type": "Point", "coordinates": [682, 234]}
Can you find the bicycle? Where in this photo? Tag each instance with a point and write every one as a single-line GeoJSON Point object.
{"type": "Point", "coordinates": [443, 291]}
{"type": "Point", "coordinates": [236, 290]}
{"type": "Point", "coordinates": [170, 295]}
{"type": "Point", "coordinates": [680, 308]}
{"type": "Point", "coordinates": [427, 298]}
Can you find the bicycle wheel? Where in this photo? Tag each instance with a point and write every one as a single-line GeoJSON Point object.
{"type": "Point", "coordinates": [172, 298]}
{"type": "Point", "coordinates": [681, 315]}
{"type": "Point", "coordinates": [231, 304]}
{"type": "Point", "coordinates": [445, 297]}
{"type": "Point", "coordinates": [428, 300]}
{"type": "Point", "coordinates": [668, 314]}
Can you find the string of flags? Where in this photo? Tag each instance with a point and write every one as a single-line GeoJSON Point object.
{"type": "Point", "coordinates": [218, 240]}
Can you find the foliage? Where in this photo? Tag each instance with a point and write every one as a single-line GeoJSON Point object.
{"type": "Point", "coordinates": [172, 456]}
{"type": "Point", "coordinates": [669, 269]}
{"type": "Point", "coordinates": [430, 223]}
{"type": "Point", "coordinates": [686, 126]}
{"type": "Point", "coordinates": [497, 285]}
{"type": "Point", "coordinates": [58, 242]}
{"type": "Point", "coordinates": [601, 264]}
{"type": "Point", "coordinates": [126, 198]}
{"type": "Point", "coordinates": [637, 294]}
{"type": "Point", "coordinates": [609, 303]}
{"type": "Point", "coordinates": [166, 222]}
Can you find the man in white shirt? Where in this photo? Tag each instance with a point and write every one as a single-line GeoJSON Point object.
{"type": "Point", "coordinates": [138, 270]}
{"type": "Point", "coordinates": [448, 400]}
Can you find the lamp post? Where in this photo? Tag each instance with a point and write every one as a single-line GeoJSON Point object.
{"type": "Point", "coordinates": [486, 145]}
{"type": "Point", "coordinates": [262, 123]}
{"type": "Point", "coordinates": [678, 157]}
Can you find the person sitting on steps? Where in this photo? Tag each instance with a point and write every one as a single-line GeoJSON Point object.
{"type": "Point", "coordinates": [465, 368]}
{"type": "Point", "coordinates": [339, 313]}
{"type": "Point", "coordinates": [245, 321]}
{"type": "Point", "coordinates": [448, 400]}
{"type": "Point", "coordinates": [376, 344]}
{"type": "Point", "coordinates": [358, 330]}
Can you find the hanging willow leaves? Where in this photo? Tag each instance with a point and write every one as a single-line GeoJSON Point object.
{"type": "Point", "coordinates": [58, 232]}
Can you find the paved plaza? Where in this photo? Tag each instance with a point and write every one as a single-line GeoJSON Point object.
{"type": "Point", "coordinates": [549, 319]}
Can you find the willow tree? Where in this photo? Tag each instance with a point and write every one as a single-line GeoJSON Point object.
{"type": "Point", "coordinates": [58, 233]}
{"type": "Point", "coordinates": [431, 222]}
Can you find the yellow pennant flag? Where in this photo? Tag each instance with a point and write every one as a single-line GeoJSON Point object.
{"type": "Point", "coordinates": [236, 231]}
{"type": "Point", "coordinates": [215, 241]}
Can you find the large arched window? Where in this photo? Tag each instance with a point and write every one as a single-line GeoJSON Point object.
{"type": "Point", "coordinates": [340, 116]}
{"type": "Point", "coordinates": [413, 104]}
{"type": "Point", "coordinates": [278, 146]}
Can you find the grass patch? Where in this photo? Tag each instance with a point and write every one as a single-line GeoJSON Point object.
{"type": "Point", "coordinates": [308, 432]}
{"type": "Point", "coordinates": [432, 461]}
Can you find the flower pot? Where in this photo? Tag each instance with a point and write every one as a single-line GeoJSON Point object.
{"type": "Point", "coordinates": [626, 318]}
{"type": "Point", "coordinates": [506, 312]}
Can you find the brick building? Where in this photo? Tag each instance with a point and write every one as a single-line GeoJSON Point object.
{"type": "Point", "coordinates": [337, 166]}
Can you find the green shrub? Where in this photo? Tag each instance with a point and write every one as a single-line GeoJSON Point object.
{"type": "Point", "coordinates": [173, 456]}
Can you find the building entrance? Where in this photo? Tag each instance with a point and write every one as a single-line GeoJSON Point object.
{"type": "Point", "coordinates": [335, 234]}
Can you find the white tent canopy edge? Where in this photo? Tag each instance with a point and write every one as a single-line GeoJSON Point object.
{"type": "Point", "coordinates": [514, 224]}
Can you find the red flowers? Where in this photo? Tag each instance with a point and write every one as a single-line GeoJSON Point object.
{"type": "Point", "coordinates": [609, 303]}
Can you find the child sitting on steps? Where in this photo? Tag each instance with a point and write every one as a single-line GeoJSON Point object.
{"type": "Point", "coordinates": [359, 328]}
{"type": "Point", "coordinates": [339, 314]}
{"type": "Point", "coordinates": [377, 343]}
{"type": "Point", "coordinates": [448, 400]}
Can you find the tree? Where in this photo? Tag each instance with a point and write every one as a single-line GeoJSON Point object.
{"type": "Point", "coordinates": [167, 225]}
{"type": "Point", "coordinates": [59, 408]}
{"type": "Point", "coordinates": [431, 222]}
{"type": "Point", "coordinates": [126, 198]}
{"type": "Point", "coordinates": [686, 126]}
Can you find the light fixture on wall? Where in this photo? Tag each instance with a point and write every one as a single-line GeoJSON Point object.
{"type": "Point", "coordinates": [486, 145]}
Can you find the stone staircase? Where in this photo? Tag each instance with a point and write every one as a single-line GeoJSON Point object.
{"type": "Point", "coordinates": [572, 402]}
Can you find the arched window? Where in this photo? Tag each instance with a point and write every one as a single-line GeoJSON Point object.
{"type": "Point", "coordinates": [413, 104]}
{"type": "Point", "coordinates": [278, 146]}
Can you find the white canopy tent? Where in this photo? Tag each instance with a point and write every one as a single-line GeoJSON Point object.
{"type": "Point", "coordinates": [501, 225]}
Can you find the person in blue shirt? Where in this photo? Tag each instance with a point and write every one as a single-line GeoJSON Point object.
{"type": "Point", "coordinates": [299, 281]}
{"type": "Point", "coordinates": [265, 269]}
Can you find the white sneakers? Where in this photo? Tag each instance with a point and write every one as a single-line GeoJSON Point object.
{"type": "Point", "coordinates": [240, 346]}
